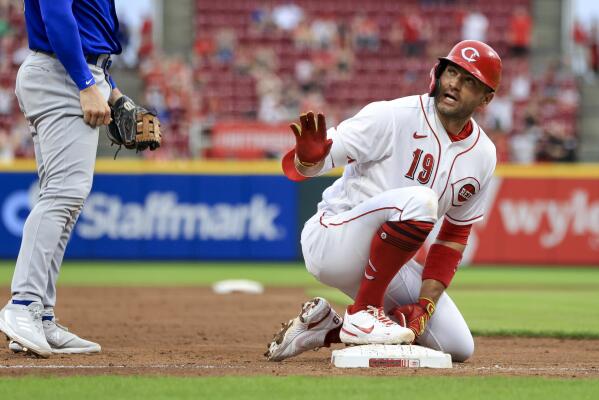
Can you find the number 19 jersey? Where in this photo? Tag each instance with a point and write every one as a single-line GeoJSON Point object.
{"type": "Point", "coordinates": [402, 143]}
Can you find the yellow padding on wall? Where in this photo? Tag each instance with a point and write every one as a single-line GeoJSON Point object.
{"type": "Point", "coordinates": [272, 167]}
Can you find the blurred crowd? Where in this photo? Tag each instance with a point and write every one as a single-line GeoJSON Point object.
{"type": "Point", "coordinates": [15, 139]}
{"type": "Point", "coordinates": [272, 61]}
{"type": "Point", "coordinates": [585, 49]}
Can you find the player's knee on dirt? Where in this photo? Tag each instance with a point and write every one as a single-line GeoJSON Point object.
{"type": "Point", "coordinates": [462, 356]}
{"type": "Point", "coordinates": [422, 205]}
{"type": "Point", "coordinates": [447, 332]}
{"type": "Point", "coordinates": [462, 350]}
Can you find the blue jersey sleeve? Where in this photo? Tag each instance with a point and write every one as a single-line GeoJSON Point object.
{"type": "Point", "coordinates": [112, 82]}
{"type": "Point", "coordinates": [63, 34]}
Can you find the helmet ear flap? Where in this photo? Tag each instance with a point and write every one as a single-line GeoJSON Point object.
{"type": "Point", "coordinates": [435, 74]}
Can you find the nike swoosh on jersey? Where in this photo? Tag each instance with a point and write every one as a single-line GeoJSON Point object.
{"type": "Point", "coordinates": [365, 330]}
{"type": "Point", "coordinates": [417, 136]}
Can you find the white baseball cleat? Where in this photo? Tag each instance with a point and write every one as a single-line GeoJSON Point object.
{"type": "Point", "coordinates": [305, 332]}
{"type": "Point", "coordinates": [23, 325]}
{"type": "Point", "coordinates": [372, 326]}
{"type": "Point", "coordinates": [61, 341]}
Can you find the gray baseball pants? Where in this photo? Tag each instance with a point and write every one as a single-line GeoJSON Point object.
{"type": "Point", "coordinates": [65, 154]}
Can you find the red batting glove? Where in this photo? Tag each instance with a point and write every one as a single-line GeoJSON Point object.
{"type": "Point", "coordinates": [311, 143]}
{"type": "Point", "coordinates": [415, 316]}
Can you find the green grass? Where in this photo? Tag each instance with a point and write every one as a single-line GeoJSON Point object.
{"type": "Point", "coordinates": [525, 277]}
{"type": "Point", "coordinates": [118, 273]}
{"type": "Point", "coordinates": [113, 273]}
{"type": "Point", "coordinates": [548, 302]}
{"type": "Point", "coordinates": [538, 313]}
{"type": "Point", "coordinates": [507, 301]}
{"type": "Point", "coordinates": [295, 387]}
{"type": "Point", "coordinates": [555, 302]}
{"type": "Point", "coordinates": [533, 302]}
{"type": "Point", "coordinates": [558, 313]}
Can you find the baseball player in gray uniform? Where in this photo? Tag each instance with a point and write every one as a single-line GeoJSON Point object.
{"type": "Point", "coordinates": [64, 90]}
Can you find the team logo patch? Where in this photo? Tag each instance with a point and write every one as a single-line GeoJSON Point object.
{"type": "Point", "coordinates": [463, 190]}
{"type": "Point", "coordinates": [466, 192]}
{"type": "Point", "coordinates": [470, 54]}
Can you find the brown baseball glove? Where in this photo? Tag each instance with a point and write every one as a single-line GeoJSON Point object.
{"type": "Point", "coordinates": [133, 126]}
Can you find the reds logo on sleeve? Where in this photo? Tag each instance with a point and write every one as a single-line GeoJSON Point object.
{"type": "Point", "coordinates": [463, 190]}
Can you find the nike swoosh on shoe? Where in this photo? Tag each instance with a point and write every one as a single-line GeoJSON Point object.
{"type": "Point", "coordinates": [365, 330]}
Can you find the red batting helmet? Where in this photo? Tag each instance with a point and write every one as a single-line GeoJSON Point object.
{"type": "Point", "coordinates": [475, 57]}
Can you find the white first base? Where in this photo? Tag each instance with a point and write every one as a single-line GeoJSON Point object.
{"type": "Point", "coordinates": [398, 356]}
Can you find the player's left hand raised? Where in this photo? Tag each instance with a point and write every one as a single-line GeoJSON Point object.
{"type": "Point", "coordinates": [311, 143]}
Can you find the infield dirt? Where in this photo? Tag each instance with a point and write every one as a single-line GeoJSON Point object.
{"type": "Point", "coordinates": [192, 331]}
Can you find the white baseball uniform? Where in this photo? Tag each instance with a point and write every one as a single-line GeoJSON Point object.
{"type": "Point", "coordinates": [402, 165]}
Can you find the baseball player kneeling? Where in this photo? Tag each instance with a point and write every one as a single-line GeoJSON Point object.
{"type": "Point", "coordinates": [407, 163]}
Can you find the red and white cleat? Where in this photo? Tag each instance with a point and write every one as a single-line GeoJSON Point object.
{"type": "Point", "coordinates": [305, 332]}
{"type": "Point", "coordinates": [372, 326]}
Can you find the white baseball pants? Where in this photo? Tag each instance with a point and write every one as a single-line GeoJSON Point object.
{"type": "Point", "coordinates": [336, 250]}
